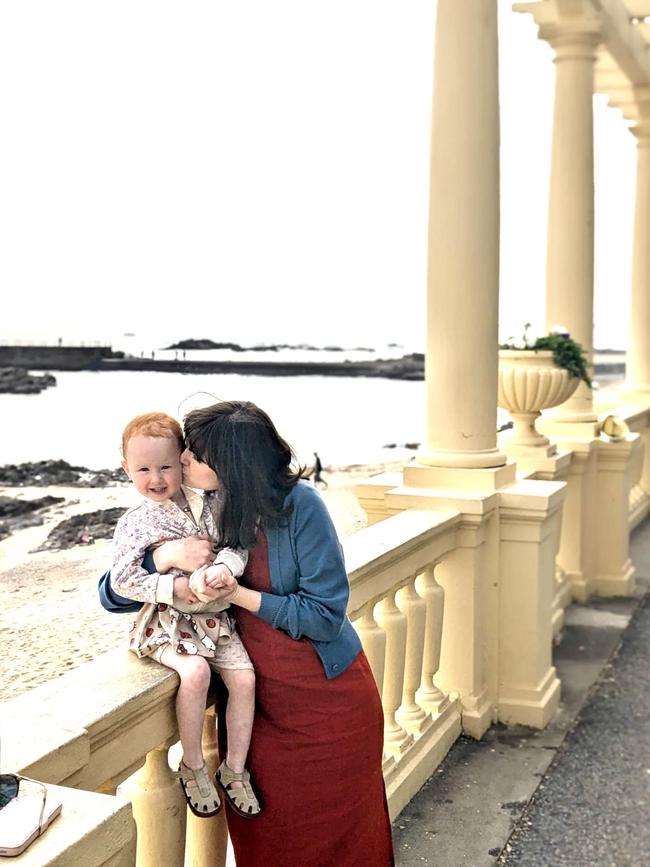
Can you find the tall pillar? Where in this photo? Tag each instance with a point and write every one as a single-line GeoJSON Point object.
{"type": "Point", "coordinates": [638, 356]}
{"type": "Point", "coordinates": [570, 255]}
{"type": "Point", "coordinates": [463, 274]}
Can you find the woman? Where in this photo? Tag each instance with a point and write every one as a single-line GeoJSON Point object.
{"type": "Point", "coordinates": [315, 754]}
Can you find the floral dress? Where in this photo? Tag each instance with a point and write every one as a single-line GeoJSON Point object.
{"type": "Point", "coordinates": [206, 629]}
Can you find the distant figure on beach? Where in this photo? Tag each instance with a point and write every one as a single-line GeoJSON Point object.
{"type": "Point", "coordinates": [183, 355]}
{"type": "Point", "coordinates": [318, 470]}
{"type": "Point", "coordinates": [153, 355]}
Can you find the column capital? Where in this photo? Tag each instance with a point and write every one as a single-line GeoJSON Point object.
{"type": "Point", "coordinates": [572, 27]}
{"type": "Point", "coordinates": [574, 39]}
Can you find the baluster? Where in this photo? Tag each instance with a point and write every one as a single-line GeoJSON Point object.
{"type": "Point", "coordinates": [207, 839]}
{"type": "Point", "coordinates": [393, 622]}
{"type": "Point", "coordinates": [158, 809]}
{"type": "Point", "coordinates": [428, 695]}
{"type": "Point", "coordinates": [373, 639]}
{"type": "Point", "coordinates": [410, 715]}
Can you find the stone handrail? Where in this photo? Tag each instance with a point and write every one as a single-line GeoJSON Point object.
{"type": "Point", "coordinates": [94, 727]}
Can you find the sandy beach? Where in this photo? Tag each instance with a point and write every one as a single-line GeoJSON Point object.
{"type": "Point", "coordinates": [50, 617]}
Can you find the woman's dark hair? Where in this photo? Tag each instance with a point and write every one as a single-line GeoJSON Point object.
{"type": "Point", "coordinates": [255, 466]}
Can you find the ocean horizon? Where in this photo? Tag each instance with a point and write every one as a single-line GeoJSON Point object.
{"type": "Point", "coordinates": [347, 420]}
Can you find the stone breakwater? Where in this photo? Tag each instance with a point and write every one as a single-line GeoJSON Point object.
{"type": "Point", "coordinates": [103, 358]}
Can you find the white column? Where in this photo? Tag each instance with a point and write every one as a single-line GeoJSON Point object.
{"type": "Point", "coordinates": [461, 359]}
{"type": "Point", "coordinates": [570, 257]}
{"type": "Point", "coordinates": [638, 356]}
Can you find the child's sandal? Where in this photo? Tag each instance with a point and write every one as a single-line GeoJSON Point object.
{"type": "Point", "coordinates": [242, 800]}
{"type": "Point", "coordinates": [200, 792]}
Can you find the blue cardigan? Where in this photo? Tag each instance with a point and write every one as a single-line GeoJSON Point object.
{"type": "Point", "coordinates": [310, 587]}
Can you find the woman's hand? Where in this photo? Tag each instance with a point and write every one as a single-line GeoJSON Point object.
{"type": "Point", "coordinates": [185, 554]}
{"type": "Point", "coordinates": [215, 584]}
{"type": "Point", "coordinates": [183, 591]}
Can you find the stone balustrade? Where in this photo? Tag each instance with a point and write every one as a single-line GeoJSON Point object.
{"type": "Point", "coordinates": [107, 725]}
{"type": "Point", "coordinates": [397, 607]}
{"type": "Point", "coordinates": [450, 640]}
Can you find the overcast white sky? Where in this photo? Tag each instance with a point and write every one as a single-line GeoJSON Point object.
{"type": "Point", "coordinates": [259, 170]}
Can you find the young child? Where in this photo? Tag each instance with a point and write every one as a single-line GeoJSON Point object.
{"type": "Point", "coordinates": [190, 637]}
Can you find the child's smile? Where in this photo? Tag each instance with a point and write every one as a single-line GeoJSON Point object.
{"type": "Point", "coordinates": [153, 465]}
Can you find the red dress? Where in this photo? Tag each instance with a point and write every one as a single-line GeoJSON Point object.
{"type": "Point", "coordinates": [315, 755]}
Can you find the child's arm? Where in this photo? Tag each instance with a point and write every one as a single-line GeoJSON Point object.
{"type": "Point", "coordinates": [234, 558]}
{"type": "Point", "coordinates": [129, 578]}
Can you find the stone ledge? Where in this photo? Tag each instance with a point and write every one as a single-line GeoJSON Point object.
{"type": "Point", "coordinates": [92, 831]}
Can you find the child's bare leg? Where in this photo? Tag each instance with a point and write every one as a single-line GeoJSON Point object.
{"type": "Point", "coordinates": [240, 684]}
{"type": "Point", "coordinates": [194, 673]}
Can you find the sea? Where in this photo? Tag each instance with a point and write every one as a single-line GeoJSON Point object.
{"type": "Point", "coordinates": [347, 420]}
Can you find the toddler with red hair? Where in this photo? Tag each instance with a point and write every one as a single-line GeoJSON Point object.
{"type": "Point", "coordinates": [173, 626]}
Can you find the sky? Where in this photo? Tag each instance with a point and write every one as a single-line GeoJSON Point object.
{"type": "Point", "coordinates": [259, 171]}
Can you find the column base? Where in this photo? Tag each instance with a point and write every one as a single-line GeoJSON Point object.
{"type": "Point", "coordinates": [616, 585]}
{"type": "Point", "coordinates": [484, 459]}
{"type": "Point", "coordinates": [530, 707]}
{"type": "Point", "coordinates": [463, 478]}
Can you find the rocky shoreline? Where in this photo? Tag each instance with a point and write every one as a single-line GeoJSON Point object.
{"type": "Point", "coordinates": [44, 473]}
{"type": "Point", "coordinates": [16, 380]}
{"type": "Point", "coordinates": [17, 513]}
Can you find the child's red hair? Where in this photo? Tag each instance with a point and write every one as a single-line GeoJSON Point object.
{"type": "Point", "coordinates": [153, 424]}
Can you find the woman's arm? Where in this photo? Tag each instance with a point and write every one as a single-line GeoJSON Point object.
{"type": "Point", "coordinates": [185, 554]}
{"type": "Point", "coordinates": [317, 609]}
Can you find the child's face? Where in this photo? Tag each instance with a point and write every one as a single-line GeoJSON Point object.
{"type": "Point", "coordinates": [153, 465]}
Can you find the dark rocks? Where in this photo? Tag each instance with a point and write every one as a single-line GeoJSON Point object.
{"type": "Point", "coordinates": [44, 473]}
{"type": "Point", "coordinates": [82, 529]}
{"type": "Point", "coordinates": [10, 507]}
{"type": "Point", "coordinates": [18, 514]}
{"type": "Point", "coordinates": [14, 380]}
{"type": "Point", "coordinates": [205, 344]}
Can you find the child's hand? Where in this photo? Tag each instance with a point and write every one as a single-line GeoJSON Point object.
{"type": "Point", "coordinates": [183, 591]}
{"type": "Point", "coordinates": [224, 586]}
{"type": "Point", "coordinates": [219, 576]}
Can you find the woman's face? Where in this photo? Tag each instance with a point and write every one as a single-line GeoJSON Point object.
{"type": "Point", "coordinates": [197, 474]}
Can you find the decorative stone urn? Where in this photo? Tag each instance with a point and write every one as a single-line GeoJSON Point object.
{"type": "Point", "coordinates": [529, 381]}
